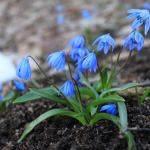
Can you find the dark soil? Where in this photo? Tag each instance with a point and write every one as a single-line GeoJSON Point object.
{"type": "Point", "coordinates": [66, 133]}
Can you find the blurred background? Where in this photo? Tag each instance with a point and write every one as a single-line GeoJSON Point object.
{"type": "Point", "coordinates": [41, 27]}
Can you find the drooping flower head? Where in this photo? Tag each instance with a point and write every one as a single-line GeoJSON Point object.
{"type": "Point", "coordinates": [68, 89]}
{"type": "Point", "coordinates": [23, 69]}
{"type": "Point", "coordinates": [105, 41]}
{"type": "Point", "coordinates": [90, 61]}
{"type": "Point", "coordinates": [146, 5]}
{"type": "Point", "coordinates": [77, 41]}
{"type": "Point", "coordinates": [111, 109]}
{"type": "Point", "coordinates": [86, 14]}
{"type": "Point", "coordinates": [57, 59]}
{"type": "Point", "coordinates": [60, 19]}
{"type": "Point", "coordinates": [135, 38]}
{"type": "Point", "coordinates": [1, 98]}
{"type": "Point", "coordinates": [1, 87]}
{"type": "Point", "coordinates": [78, 52]}
{"type": "Point", "coordinates": [142, 16]}
{"type": "Point", "coordinates": [79, 66]}
{"type": "Point", "coordinates": [19, 85]}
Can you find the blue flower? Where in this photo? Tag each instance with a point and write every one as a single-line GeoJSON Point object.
{"type": "Point", "coordinates": [57, 59]}
{"type": "Point", "coordinates": [80, 84]}
{"type": "Point", "coordinates": [146, 5]}
{"type": "Point", "coordinates": [111, 109]}
{"type": "Point", "coordinates": [105, 42]}
{"type": "Point", "coordinates": [59, 8]}
{"type": "Point", "coordinates": [60, 19]}
{"type": "Point", "coordinates": [23, 69]}
{"type": "Point", "coordinates": [90, 61]}
{"type": "Point", "coordinates": [77, 41]}
{"type": "Point", "coordinates": [68, 89]}
{"type": "Point", "coordinates": [79, 66]}
{"type": "Point", "coordinates": [19, 85]}
{"type": "Point", "coordinates": [141, 17]}
{"type": "Point", "coordinates": [1, 98]}
{"type": "Point", "coordinates": [135, 38]}
{"type": "Point", "coordinates": [1, 87]}
{"type": "Point", "coordinates": [86, 14]}
{"type": "Point", "coordinates": [78, 52]}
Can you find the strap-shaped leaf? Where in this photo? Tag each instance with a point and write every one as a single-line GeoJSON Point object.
{"type": "Point", "coordinates": [143, 97]}
{"type": "Point", "coordinates": [122, 114]}
{"type": "Point", "coordinates": [46, 115]}
{"type": "Point", "coordinates": [108, 99]}
{"type": "Point", "coordinates": [10, 96]}
{"type": "Point", "coordinates": [130, 140]}
{"type": "Point", "coordinates": [32, 96]}
{"type": "Point", "coordinates": [110, 117]}
{"type": "Point", "coordinates": [86, 91]}
{"type": "Point", "coordinates": [104, 75]}
{"type": "Point", "coordinates": [86, 83]}
{"type": "Point", "coordinates": [127, 86]}
{"type": "Point", "coordinates": [49, 96]}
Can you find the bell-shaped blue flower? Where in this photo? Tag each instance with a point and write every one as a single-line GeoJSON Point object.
{"type": "Point", "coordinates": [135, 38]}
{"type": "Point", "coordinates": [1, 87]}
{"type": "Point", "coordinates": [80, 84]}
{"type": "Point", "coordinates": [57, 59]}
{"type": "Point", "coordinates": [105, 41]}
{"type": "Point", "coordinates": [79, 66]}
{"type": "Point", "coordinates": [23, 69]}
{"type": "Point", "coordinates": [90, 62]}
{"type": "Point", "coordinates": [87, 15]}
{"type": "Point", "coordinates": [146, 5]}
{"type": "Point", "coordinates": [59, 8]}
{"type": "Point", "coordinates": [78, 52]}
{"type": "Point", "coordinates": [68, 89]}
{"type": "Point", "coordinates": [111, 109]}
{"type": "Point", "coordinates": [60, 19]}
{"type": "Point", "coordinates": [77, 41]}
{"type": "Point", "coordinates": [1, 98]}
{"type": "Point", "coordinates": [142, 16]}
{"type": "Point", "coordinates": [19, 85]}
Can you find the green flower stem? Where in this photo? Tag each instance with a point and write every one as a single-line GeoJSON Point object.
{"type": "Point", "coordinates": [79, 95]}
{"type": "Point", "coordinates": [112, 71]}
{"type": "Point", "coordinates": [53, 83]}
{"type": "Point", "coordinates": [100, 75]}
{"type": "Point", "coordinates": [120, 69]}
{"type": "Point", "coordinates": [111, 59]}
{"type": "Point", "coordinates": [71, 77]}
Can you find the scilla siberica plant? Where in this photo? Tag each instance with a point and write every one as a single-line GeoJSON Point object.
{"type": "Point", "coordinates": [71, 94]}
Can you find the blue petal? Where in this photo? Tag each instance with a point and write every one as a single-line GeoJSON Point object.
{"type": "Point", "coordinates": [106, 107]}
{"type": "Point", "coordinates": [137, 36]}
{"type": "Point", "coordinates": [96, 41]}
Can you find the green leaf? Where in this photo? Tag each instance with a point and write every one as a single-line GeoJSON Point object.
{"type": "Point", "coordinates": [130, 140]}
{"type": "Point", "coordinates": [31, 96]}
{"type": "Point", "coordinates": [9, 97]}
{"type": "Point", "coordinates": [98, 86]}
{"type": "Point", "coordinates": [108, 99]}
{"type": "Point", "coordinates": [46, 115]}
{"type": "Point", "coordinates": [110, 117]}
{"type": "Point", "coordinates": [86, 91]}
{"type": "Point", "coordinates": [93, 110]}
{"type": "Point", "coordinates": [122, 114]}
{"type": "Point", "coordinates": [49, 96]}
{"type": "Point", "coordinates": [86, 83]}
{"type": "Point", "coordinates": [125, 87]}
{"type": "Point", "coordinates": [144, 96]}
